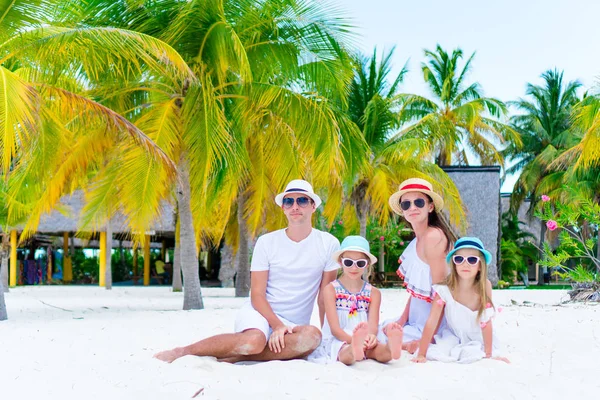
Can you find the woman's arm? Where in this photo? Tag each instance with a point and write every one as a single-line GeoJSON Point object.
{"type": "Point", "coordinates": [404, 317]}
{"type": "Point", "coordinates": [435, 244]}
{"type": "Point", "coordinates": [430, 326]}
{"type": "Point", "coordinates": [331, 315]}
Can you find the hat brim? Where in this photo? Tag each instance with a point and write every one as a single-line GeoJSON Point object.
{"type": "Point", "coordinates": [394, 200]}
{"type": "Point", "coordinates": [336, 255]}
{"type": "Point", "coordinates": [315, 197]}
{"type": "Point", "coordinates": [486, 254]}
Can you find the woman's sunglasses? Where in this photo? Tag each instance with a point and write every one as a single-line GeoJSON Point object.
{"type": "Point", "coordinates": [348, 263]}
{"type": "Point", "coordinates": [302, 202]}
{"type": "Point", "coordinates": [405, 205]}
{"type": "Point", "coordinates": [471, 260]}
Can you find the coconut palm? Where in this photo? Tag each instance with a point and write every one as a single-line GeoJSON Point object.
{"type": "Point", "coordinates": [373, 106]}
{"type": "Point", "coordinates": [547, 131]}
{"type": "Point", "coordinates": [459, 120]}
{"type": "Point", "coordinates": [248, 121]}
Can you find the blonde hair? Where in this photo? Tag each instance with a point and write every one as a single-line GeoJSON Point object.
{"type": "Point", "coordinates": [480, 284]}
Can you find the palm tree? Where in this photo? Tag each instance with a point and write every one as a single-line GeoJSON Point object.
{"type": "Point", "coordinates": [458, 120]}
{"type": "Point", "coordinates": [373, 106]}
{"type": "Point", "coordinates": [247, 121]}
{"type": "Point", "coordinates": [547, 131]}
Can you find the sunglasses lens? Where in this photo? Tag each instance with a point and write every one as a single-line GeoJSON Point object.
{"type": "Point", "coordinates": [361, 263]}
{"type": "Point", "coordinates": [405, 205]}
{"type": "Point", "coordinates": [420, 203]}
{"type": "Point", "coordinates": [347, 262]}
{"type": "Point", "coordinates": [302, 201]}
{"type": "Point", "coordinates": [472, 260]}
{"type": "Point", "coordinates": [288, 202]}
{"type": "Point", "coordinates": [458, 259]}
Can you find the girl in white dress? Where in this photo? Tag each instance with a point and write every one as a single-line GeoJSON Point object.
{"type": "Point", "coordinates": [465, 298]}
{"type": "Point", "coordinates": [352, 312]}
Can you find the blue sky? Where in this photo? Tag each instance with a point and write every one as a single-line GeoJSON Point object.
{"type": "Point", "coordinates": [515, 41]}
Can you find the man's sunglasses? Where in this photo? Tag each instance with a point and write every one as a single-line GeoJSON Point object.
{"type": "Point", "coordinates": [302, 202]}
{"type": "Point", "coordinates": [419, 203]}
{"type": "Point", "coordinates": [348, 263]}
{"type": "Point", "coordinates": [471, 260]}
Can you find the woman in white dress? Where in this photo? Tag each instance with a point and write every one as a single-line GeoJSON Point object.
{"type": "Point", "coordinates": [465, 299]}
{"type": "Point", "coordinates": [423, 262]}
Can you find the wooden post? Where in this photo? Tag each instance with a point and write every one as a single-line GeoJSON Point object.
{"type": "Point", "coordinates": [102, 274]}
{"type": "Point", "coordinates": [50, 258]}
{"type": "Point", "coordinates": [67, 263]}
{"type": "Point", "coordinates": [163, 250]}
{"type": "Point", "coordinates": [13, 259]}
{"type": "Point", "coordinates": [135, 264]}
{"type": "Point", "coordinates": [146, 260]}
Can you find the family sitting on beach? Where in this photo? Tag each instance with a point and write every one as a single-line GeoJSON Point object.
{"type": "Point", "coordinates": [448, 316]}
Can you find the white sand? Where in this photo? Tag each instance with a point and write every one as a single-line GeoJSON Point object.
{"type": "Point", "coordinates": [101, 345]}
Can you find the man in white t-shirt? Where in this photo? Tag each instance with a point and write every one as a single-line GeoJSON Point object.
{"type": "Point", "coordinates": [289, 268]}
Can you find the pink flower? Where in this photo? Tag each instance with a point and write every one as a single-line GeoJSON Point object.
{"type": "Point", "coordinates": [545, 198]}
{"type": "Point", "coordinates": [382, 238]}
{"type": "Point", "coordinates": [401, 243]}
{"type": "Point", "coordinates": [339, 222]}
{"type": "Point", "coordinates": [551, 224]}
{"type": "Point", "coordinates": [399, 232]}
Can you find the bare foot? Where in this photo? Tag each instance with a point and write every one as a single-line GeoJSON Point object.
{"type": "Point", "coordinates": [411, 347]}
{"type": "Point", "coordinates": [394, 334]}
{"type": "Point", "coordinates": [358, 340]}
{"type": "Point", "coordinates": [170, 355]}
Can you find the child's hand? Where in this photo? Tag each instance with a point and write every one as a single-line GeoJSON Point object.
{"type": "Point", "coordinates": [506, 360]}
{"type": "Point", "coordinates": [370, 341]}
{"type": "Point", "coordinates": [419, 359]}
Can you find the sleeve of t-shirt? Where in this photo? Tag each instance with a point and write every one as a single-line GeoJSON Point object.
{"type": "Point", "coordinates": [332, 245]}
{"type": "Point", "coordinates": [260, 260]}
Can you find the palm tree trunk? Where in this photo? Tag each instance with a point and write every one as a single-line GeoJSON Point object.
{"type": "Point", "coordinates": [242, 280]}
{"type": "Point", "coordinates": [177, 283]}
{"type": "Point", "coordinates": [188, 253]}
{"type": "Point", "coordinates": [227, 270]}
{"type": "Point", "coordinates": [3, 314]}
{"type": "Point", "coordinates": [109, 241]}
{"type": "Point", "coordinates": [4, 253]}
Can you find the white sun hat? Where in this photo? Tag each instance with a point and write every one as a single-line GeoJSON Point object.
{"type": "Point", "coordinates": [415, 185]}
{"type": "Point", "coordinates": [298, 186]}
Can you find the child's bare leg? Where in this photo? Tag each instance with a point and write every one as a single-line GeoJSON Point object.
{"type": "Point", "coordinates": [346, 355]}
{"type": "Point", "coordinates": [394, 334]}
{"type": "Point", "coordinates": [358, 340]}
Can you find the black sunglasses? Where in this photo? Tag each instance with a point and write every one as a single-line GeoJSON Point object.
{"type": "Point", "coordinates": [405, 205]}
{"type": "Point", "coordinates": [302, 202]}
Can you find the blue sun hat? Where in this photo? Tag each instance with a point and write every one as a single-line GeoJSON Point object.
{"type": "Point", "coordinates": [354, 243]}
{"type": "Point", "coordinates": [469, 243]}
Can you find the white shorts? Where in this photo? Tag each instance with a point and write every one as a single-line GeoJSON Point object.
{"type": "Point", "coordinates": [248, 318]}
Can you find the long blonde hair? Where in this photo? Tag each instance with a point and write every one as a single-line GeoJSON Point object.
{"type": "Point", "coordinates": [480, 284]}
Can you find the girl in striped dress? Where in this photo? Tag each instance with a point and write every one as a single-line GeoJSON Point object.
{"type": "Point", "coordinates": [352, 312]}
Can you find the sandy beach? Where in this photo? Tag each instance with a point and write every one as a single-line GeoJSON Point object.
{"type": "Point", "coordinates": [90, 343]}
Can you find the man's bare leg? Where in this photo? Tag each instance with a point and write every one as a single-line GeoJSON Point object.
{"type": "Point", "coordinates": [300, 343]}
{"type": "Point", "coordinates": [224, 346]}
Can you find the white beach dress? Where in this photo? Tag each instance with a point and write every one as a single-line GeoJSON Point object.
{"type": "Point", "coordinates": [352, 309]}
{"type": "Point", "coordinates": [417, 281]}
{"type": "Point", "coordinates": [461, 340]}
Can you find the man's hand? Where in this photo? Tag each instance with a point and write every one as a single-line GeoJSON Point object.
{"type": "Point", "coordinates": [277, 339]}
{"type": "Point", "coordinates": [370, 341]}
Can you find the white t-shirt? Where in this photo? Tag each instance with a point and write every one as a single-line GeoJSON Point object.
{"type": "Point", "coordinates": [295, 270]}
